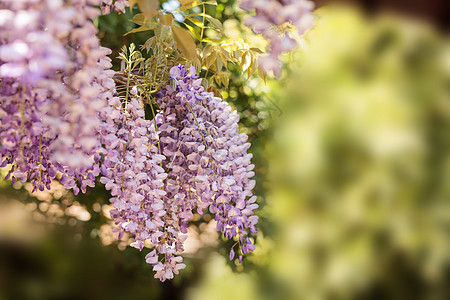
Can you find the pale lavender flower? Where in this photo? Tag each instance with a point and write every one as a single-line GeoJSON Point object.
{"type": "Point", "coordinates": [190, 158]}
{"type": "Point", "coordinates": [108, 6]}
{"type": "Point", "coordinates": [207, 158]}
{"type": "Point", "coordinates": [273, 13]}
{"type": "Point", "coordinates": [54, 87]}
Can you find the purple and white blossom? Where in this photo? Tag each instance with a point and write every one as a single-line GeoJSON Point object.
{"type": "Point", "coordinates": [207, 160]}
{"type": "Point", "coordinates": [186, 160]}
{"type": "Point", "coordinates": [270, 15]}
{"type": "Point", "coordinates": [54, 84]}
{"type": "Point", "coordinates": [109, 6]}
{"type": "Point", "coordinates": [59, 118]}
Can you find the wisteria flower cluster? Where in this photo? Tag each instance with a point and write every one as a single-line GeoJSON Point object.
{"type": "Point", "coordinates": [108, 6]}
{"type": "Point", "coordinates": [61, 118]}
{"type": "Point", "coordinates": [55, 83]}
{"type": "Point", "coordinates": [270, 16]}
{"type": "Point", "coordinates": [190, 158]}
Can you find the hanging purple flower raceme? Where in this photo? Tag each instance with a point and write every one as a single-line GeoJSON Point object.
{"type": "Point", "coordinates": [54, 86]}
{"type": "Point", "coordinates": [270, 14]}
{"type": "Point", "coordinates": [134, 176]}
{"type": "Point", "coordinates": [189, 158]}
{"type": "Point", "coordinates": [207, 164]}
{"type": "Point", "coordinates": [59, 118]}
{"type": "Point", "coordinates": [24, 141]}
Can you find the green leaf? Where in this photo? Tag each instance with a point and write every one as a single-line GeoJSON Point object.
{"type": "Point", "coordinates": [187, 4]}
{"type": "Point", "coordinates": [209, 40]}
{"type": "Point", "coordinates": [257, 50]}
{"type": "Point", "coordinates": [219, 64]}
{"type": "Point", "coordinates": [194, 32]}
{"type": "Point", "coordinates": [162, 32]}
{"type": "Point", "coordinates": [139, 19]}
{"type": "Point", "coordinates": [207, 50]}
{"type": "Point", "coordinates": [216, 23]}
{"type": "Point", "coordinates": [122, 56]}
{"type": "Point", "coordinates": [251, 69]}
{"type": "Point", "coordinates": [185, 42]}
{"type": "Point", "coordinates": [196, 22]}
{"type": "Point", "coordinates": [210, 59]}
{"type": "Point", "coordinates": [246, 61]}
{"type": "Point", "coordinates": [224, 78]}
{"type": "Point", "coordinates": [140, 29]}
{"type": "Point", "coordinates": [262, 74]}
{"type": "Point", "coordinates": [224, 52]}
{"type": "Point", "coordinates": [217, 78]}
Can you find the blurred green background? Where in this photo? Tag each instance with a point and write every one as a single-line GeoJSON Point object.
{"type": "Point", "coordinates": [352, 155]}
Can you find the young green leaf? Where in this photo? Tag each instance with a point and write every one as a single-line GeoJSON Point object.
{"type": "Point", "coordinates": [196, 22]}
{"type": "Point", "coordinates": [246, 61]}
{"type": "Point", "coordinates": [194, 32]}
{"type": "Point", "coordinates": [216, 23]}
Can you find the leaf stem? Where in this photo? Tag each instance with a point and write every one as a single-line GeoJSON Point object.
{"type": "Point", "coordinates": [203, 17]}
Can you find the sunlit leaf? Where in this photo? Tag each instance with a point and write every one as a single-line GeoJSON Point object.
{"type": "Point", "coordinates": [196, 22]}
{"type": "Point", "coordinates": [252, 69]}
{"type": "Point", "coordinates": [185, 42]}
{"type": "Point", "coordinates": [194, 32]}
{"type": "Point", "coordinates": [148, 7]}
{"type": "Point", "coordinates": [224, 78]}
{"type": "Point", "coordinates": [187, 4]}
{"type": "Point", "coordinates": [197, 15]}
{"type": "Point", "coordinates": [224, 52]}
{"type": "Point", "coordinates": [246, 61]}
{"type": "Point", "coordinates": [210, 40]}
{"type": "Point", "coordinates": [217, 79]}
{"type": "Point", "coordinates": [207, 50]}
{"type": "Point", "coordinates": [140, 19]}
{"type": "Point", "coordinates": [140, 29]}
{"type": "Point", "coordinates": [166, 19]}
{"type": "Point", "coordinates": [262, 74]}
{"type": "Point", "coordinates": [211, 59]}
{"type": "Point", "coordinates": [219, 64]}
{"type": "Point", "coordinates": [122, 56]}
{"type": "Point", "coordinates": [257, 50]}
{"type": "Point", "coordinates": [216, 23]}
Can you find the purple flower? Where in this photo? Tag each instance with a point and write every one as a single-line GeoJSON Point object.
{"type": "Point", "coordinates": [207, 158]}
{"type": "Point", "coordinates": [54, 88]}
{"type": "Point", "coordinates": [269, 15]}
{"type": "Point", "coordinates": [231, 254]}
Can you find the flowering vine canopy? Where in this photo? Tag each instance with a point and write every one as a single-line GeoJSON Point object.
{"type": "Point", "coordinates": [65, 115]}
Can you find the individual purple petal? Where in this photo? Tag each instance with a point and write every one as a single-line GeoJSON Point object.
{"type": "Point", "coordinates": [231, 254]}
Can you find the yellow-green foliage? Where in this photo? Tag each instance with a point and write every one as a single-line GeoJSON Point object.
{"type": "Point", "coordinates": [173, 43]}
